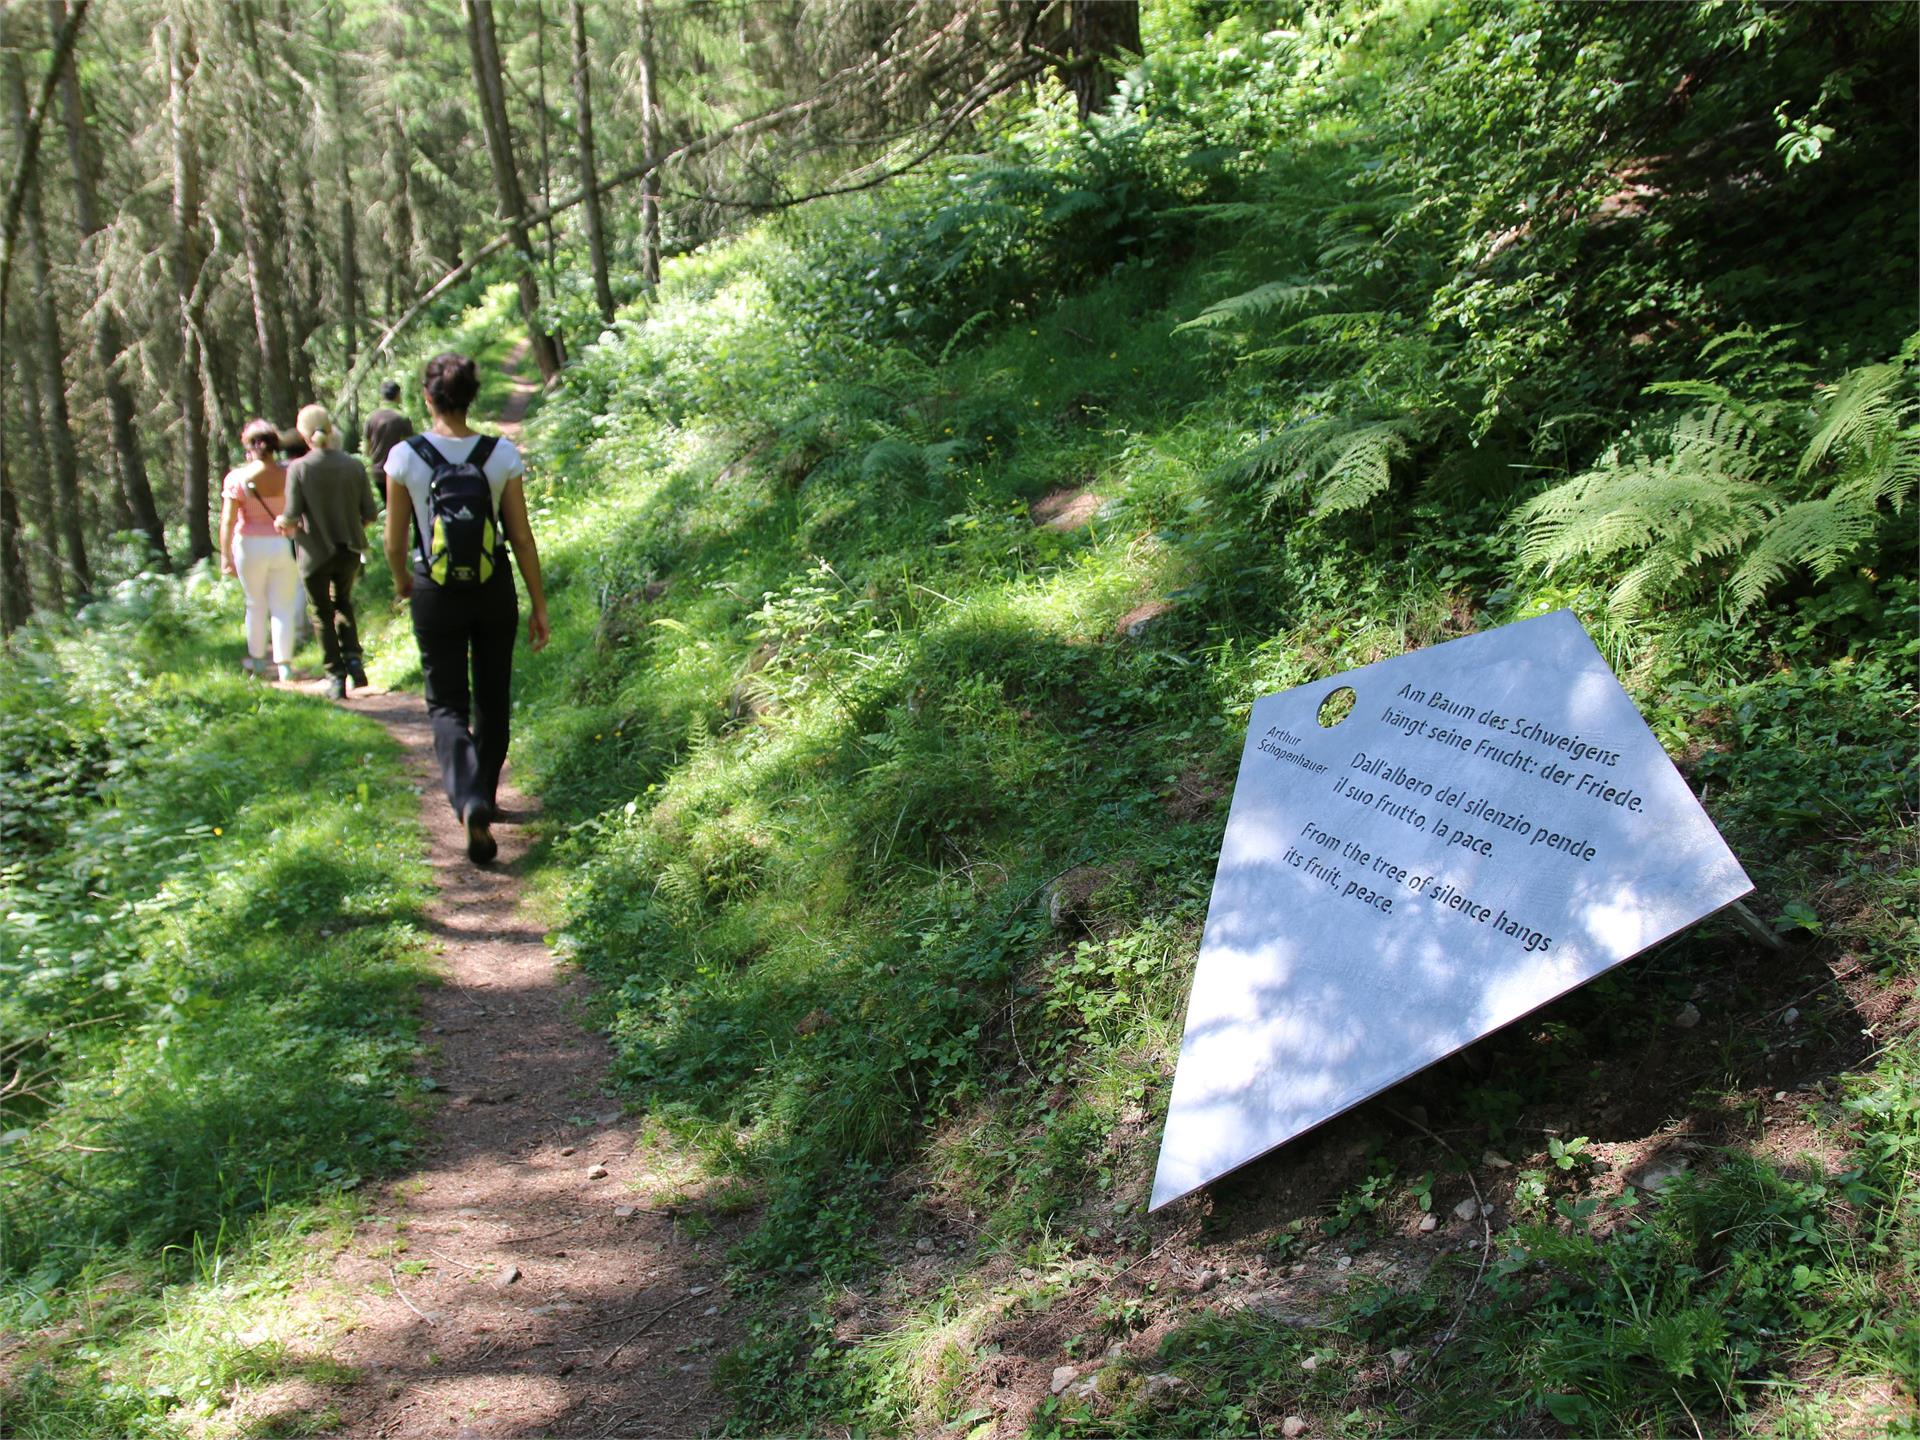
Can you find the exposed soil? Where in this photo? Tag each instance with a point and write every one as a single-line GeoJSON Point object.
{"type": "Point", "coordinates": [519, 398]}
{"type": "Point", "coordinates": [519, 1282]}
{"type": "Point", "coordinates": [1066, 510]}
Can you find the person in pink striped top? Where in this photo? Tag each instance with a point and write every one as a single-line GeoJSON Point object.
{"type": "Point", "coordinates": [252, 498]}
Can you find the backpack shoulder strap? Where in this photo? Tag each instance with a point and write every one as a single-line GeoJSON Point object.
{"type": "Point", "coordinates": [424, 448]}
{"type": "Point", "coordinates": [435, 463]}
{"type": "Point", "coordinates": [483, 452]}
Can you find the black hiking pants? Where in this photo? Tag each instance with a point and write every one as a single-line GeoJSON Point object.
{"type": "Point", "coordinates": [330, 591]}
{"type": "Point", "coordinates": [466, 656]}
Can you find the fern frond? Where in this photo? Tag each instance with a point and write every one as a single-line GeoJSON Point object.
{"type": "Point", "coordinates": [1274, 295]}
{"type": "Point", "coordinates": [700, 742]}
{"type": "Point", "coordinates": [1361, 468]}
{"type": "Point", "coordinates": [1657, 504]}
{"type": "Point", "coordinates": [1819, 535]}
{"type": "Point", "coordinates": [1347, 461]}
{"type": "Point", "coordinates": [1717, 489]}
{"type": "Point", "coordinates": [892, 458]}
{"type": "Point", "coordinates": [1699, 502]}
{"type": "Point", "coordinates": [1709, 392]}
{"type": "Point", "coordinates": [1863, 412]}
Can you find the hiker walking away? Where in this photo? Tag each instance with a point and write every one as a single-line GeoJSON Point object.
{"type": "Point", "coordinates": [385, 428]}
{"type": "Point", "coordinates": [329, 505]}
{"type": "Point", "coordinates": [251, 499]}
{"type": "Point", "coordinates": [465, 493]}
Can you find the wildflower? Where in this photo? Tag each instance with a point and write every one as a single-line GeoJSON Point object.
{"type": "Point", "coordinates": [218, 831]}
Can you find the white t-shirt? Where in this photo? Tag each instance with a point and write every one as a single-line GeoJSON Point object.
{"type": "Point", "coordinates": [414, 473]}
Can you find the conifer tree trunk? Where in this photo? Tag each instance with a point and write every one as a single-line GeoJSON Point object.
{"type": "Point", "coordinates": [124, 434]}
{"type": "Point", "coordinates": [227, 416]}
{"type": "Point", "coordinates": [1098, 31]}
{"type": "Point", "coordinates": [265, 286]}
{"type": "Point", "coordinates": [546, 117]}
{"type": "Point", "coordinates": [301, 254]}
{"type": "Point", "coordinates": [589, 172]}
{"type": "Point", "coordinates": [349, 274]}
{"type": "Point", "coordinates": [650, 144]}
{"type": "Point", "coordinates": [16, 591]}
{"type": "Point", "coordinates": [258, 183]}
{"type": "Point", "coordinates": [49, 357]}
{"type": "Point", "coordinates": [34, 474]}
{"type": "Point", "coordinates": [485, 48]}
{"type": "Point", "coordinates": [175, 48]}
{"type": "Point", "coordinates": [400, 233]}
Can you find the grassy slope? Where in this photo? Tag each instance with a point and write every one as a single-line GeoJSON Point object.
{"type": "Point", "coordinates": [826, 713]}
{"type": "Point", "coordinates": [210, 941]}
{"type": "Point", "coordinates": [811, 792]}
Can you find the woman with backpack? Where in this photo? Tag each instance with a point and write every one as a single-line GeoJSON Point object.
{"type": "Point", "coordinates": [464, 493]}
{"type": "Point", "coordinates": [251, 499]}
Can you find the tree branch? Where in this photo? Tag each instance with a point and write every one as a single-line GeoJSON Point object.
{"type": "Point", "coordinates": [969, 105]}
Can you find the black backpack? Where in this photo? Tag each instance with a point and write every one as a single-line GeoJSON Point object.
{"type": "Point", "coordinates": [463, 547]}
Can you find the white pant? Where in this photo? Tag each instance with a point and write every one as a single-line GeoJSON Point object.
{"type": "Point", "coordinates": [271, 579]}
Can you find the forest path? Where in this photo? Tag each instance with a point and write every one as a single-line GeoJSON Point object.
{"type": "Point", "coordinates": [520, 396]}
{"type": "Point", "coordinates": [498, 1290]}
{"type": "Point", "coordinates": [514, 1284]}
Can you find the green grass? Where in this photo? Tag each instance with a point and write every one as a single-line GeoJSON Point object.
{"type": "Point", "coordinates": [825, 713]}
{"type": "Point", "coordinates": [212, 899]}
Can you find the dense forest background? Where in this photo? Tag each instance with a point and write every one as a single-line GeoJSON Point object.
{"type": "Point", "coordinates": [957, 415]}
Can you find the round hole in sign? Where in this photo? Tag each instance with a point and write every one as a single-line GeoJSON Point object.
{"type": "Point", "coordinates": [1336, 707]}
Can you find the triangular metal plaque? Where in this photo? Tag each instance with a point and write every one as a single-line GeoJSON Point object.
{"type": "Point", "coordinates": [1491, 826]}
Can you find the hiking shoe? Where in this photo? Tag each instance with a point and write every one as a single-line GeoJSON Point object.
{"type": "Point", "coordinates": [357, 673]}
{"type": "Point", "coordinates": [481, 846]}
{"type": "Point", "coordinates": [337, 687]}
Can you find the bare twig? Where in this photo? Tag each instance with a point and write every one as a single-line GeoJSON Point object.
{"type": "Point", "coordinates": [1099, 1285]}
{"type": "Point", "coordinates": [642, 1329]}
{"type": "Point", "coordinates": [543, 1234]}
{"type": "Point", "coordinates": [395, 1274]}
{"type": "Point", "coordinates": [1486, 1233]}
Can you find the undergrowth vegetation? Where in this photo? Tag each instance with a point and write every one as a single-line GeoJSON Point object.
{"type": "Point", "coordinates": [917, 559]}
{"type": "Point", "coordinates": [210, 893]}
{"type": "Point", "coordinates": [914, 561]}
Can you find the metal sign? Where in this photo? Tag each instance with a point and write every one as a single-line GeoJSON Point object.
{"type": "Point", "coordinates": [1490, 826]}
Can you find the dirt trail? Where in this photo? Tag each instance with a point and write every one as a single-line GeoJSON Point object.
{"type": "Point", "coordinates": [498, 1290]}
{"type": "Point", "coordinates": [520, 1282]}
{"type": "Point", "coordinates": [520, 397]}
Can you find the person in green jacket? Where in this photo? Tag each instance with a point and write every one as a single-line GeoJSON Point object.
{"type": "Point", "coordinates": [329, 506]}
